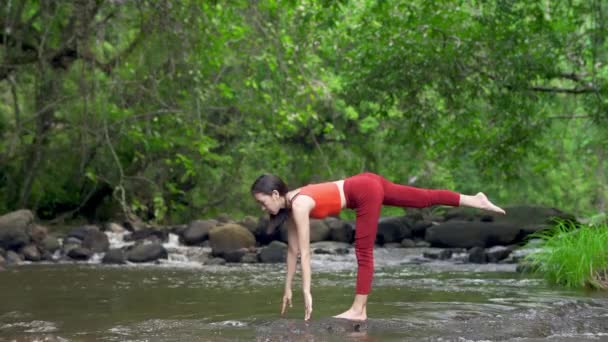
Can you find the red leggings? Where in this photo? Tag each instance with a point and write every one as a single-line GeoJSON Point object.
{"type": "Point", "coordinates": [366, 193]}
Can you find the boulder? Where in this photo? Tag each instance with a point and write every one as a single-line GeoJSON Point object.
{"type": "Point", "coordinates": [251, 223]}
{"type": "Point", "coordinates": [81, 232]}
{"type": "Point", "coordinates": [497, 253]}
{"type": "Point", "coordinates": [31, 253]}
{"type": "Point", "coordinates": [96, 241]}
{"type": "Point", "coordinates": [422, 244]}
{"type": "Point", "coordinates": [115, 228]}
{"type": "Point", "coordinates": [79, 253]}
{"type": "Point", "coordinates": [275, 252]}
{"type": "Point", "coordinates": [20, 218]}
{"type": "Point", "coordinates": [198, 231]}
{"type": "Point", "coordinates": [393, 229]}
{"type": "Point", "coordinates": [249, 258]}
{"type": "Point", "coordinates": [115, 256]}
{"type": "Point", "coordinates": [12, 257]}
{"type": "Point", "coordinates": [408, 243]}
{"type": "Point", "coordinates": [235, 255]}
{"type": "Point", "coordinates": [37, 233]}
{"type": "Point", "coordinates": [230, 237]}
{"type": "Point", "coordinates": [13, 229]}
{"type": "Point", "coordinates": [467, 234]}
{"type": "Point", "coordinates": [340, 231]}
{"type": "Point", "coordinates": [153, 234]}
{"type": "Point", "coordinates": [50, 243]}
{"type": "Point", "coordinates": [261, 233]}
{"type": "Point", "coordinates": [419, 228]}
{"type": "Point", "coordinates": [477, 255]}
{"type": "Point", "coordinates": [147, 252]}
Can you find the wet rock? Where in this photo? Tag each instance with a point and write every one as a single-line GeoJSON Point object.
{"type": "Point", "coordinates": [251, 223]}
{"type": "Point", "coordinates": [408, 243]}
{"type": "Point", "coordinates": [393, 229]}
{"type": "Point", "coordinates": [477, 255]}
{"type": "Point", "coordinates": [178, 230]}
{"type": "Point", "coordinates": [215, 261]}
{"type": "Point", "coordinates": [115, 256]}
{"type": "Point", "coordinates": [37, 233]}
{"type": "Point", "coordinates": [47, 256]}
{"type": "Point", "coordinates": [12, 258]}
{"type": "Point", "coordinates": [264, 236]}
{"type": "Point", "coordinates": [50, 243]}
{"type": "Point", "coordinates": [422, 244]}
{"type": "Point", "coordinates": [198, 231]}
{"type": "Point", "coordinates": [471, 234]}
{"type": "Point", "coordinates": [13, 229]}
{"type": "Point", "coordinates": [250, 258]}
{"type": "Point", "coordinates": [31, 253]}
{"type": "Point", "coordinates": [96, 241]}
{"type": "Point", "coordinates": [235, 255]}
{"type": "Point", "coordinates": [339, 230]}
{"type": "Point", "coordinates": [393, 245]}
{"type": "Point", "coordinates": [115, 228]}
{"type": "Point", "coordinates": [67, 247]}
{"type": "Point", "coordinates": [323, 329]}
{"type": "Point", "coordinates": [230, 237]}
{"type": "Point", "coordinates": [146, 252]}
{"type": "Point", "coordinates": [419, 228]}
{"type": "Point", "coordinates": [19, 219]}
{"type": "Point", "coordinates": [275, 252]}
{"type": "Point", "coordinates": [80, 253]}
{"type": "Point", "coordinates": [81, 232]}
{"type": "Point", "coordinates": [444, 254]}
{"type": "Point", "coordinates": [497, 253]}
{"type": "Point", "coordinates": [71, 241]}
{"type": "Point", "coordinates": [152, 234]}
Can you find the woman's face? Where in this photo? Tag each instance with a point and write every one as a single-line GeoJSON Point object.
{"type": "Point", "coordinates": [269, 203]}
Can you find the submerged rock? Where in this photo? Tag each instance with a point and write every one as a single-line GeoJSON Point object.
{"type": "Point", "coordinates": [317, 329]}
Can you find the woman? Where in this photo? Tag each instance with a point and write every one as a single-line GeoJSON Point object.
{"type": "Point", "coordinates": [365, 193]}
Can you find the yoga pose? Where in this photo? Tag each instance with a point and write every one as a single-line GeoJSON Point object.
{"type": "Point", "coordinates": [365, 193]}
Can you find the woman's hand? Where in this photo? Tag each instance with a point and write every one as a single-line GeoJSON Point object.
{"type": "Point", "coordinates": [307, 305]}
{"type": "Point", "coordinates": [286, 301]}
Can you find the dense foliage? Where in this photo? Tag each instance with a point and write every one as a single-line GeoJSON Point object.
{"type": "Point", "coordinates": [169, 109]}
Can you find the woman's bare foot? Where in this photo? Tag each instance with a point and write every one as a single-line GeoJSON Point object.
{"type": "Point", "coordinates": [480, 201]}
{"type": "Point", "coordinates": [484, 203]}
{"type": "Point", "coordinates": [352, 315]}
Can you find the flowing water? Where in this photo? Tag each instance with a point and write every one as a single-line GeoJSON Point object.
{"type": "Point", "coordinates": [180, 300]}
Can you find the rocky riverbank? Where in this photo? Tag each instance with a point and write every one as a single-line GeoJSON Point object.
{"type": "Point", "coordinates": [463, 235]}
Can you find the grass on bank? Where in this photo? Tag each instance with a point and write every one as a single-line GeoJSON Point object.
{"type": "Point", "coordinates": [574, 256]}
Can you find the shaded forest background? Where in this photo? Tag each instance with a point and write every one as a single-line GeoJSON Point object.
{"type": "Point", "coordinates": [168, 110]}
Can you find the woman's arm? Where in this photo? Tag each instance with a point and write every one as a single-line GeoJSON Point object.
{"type": "Point", "coordinates": [292, 252]}
{"type": "Point", "coordinates": [300, 212]}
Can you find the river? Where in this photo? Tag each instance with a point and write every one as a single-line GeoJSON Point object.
{"type": "Point", "coordinates": [183, 301]}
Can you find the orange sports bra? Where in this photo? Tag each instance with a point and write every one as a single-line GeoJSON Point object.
{"type": "Point", "coordinates": [326, 196]}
